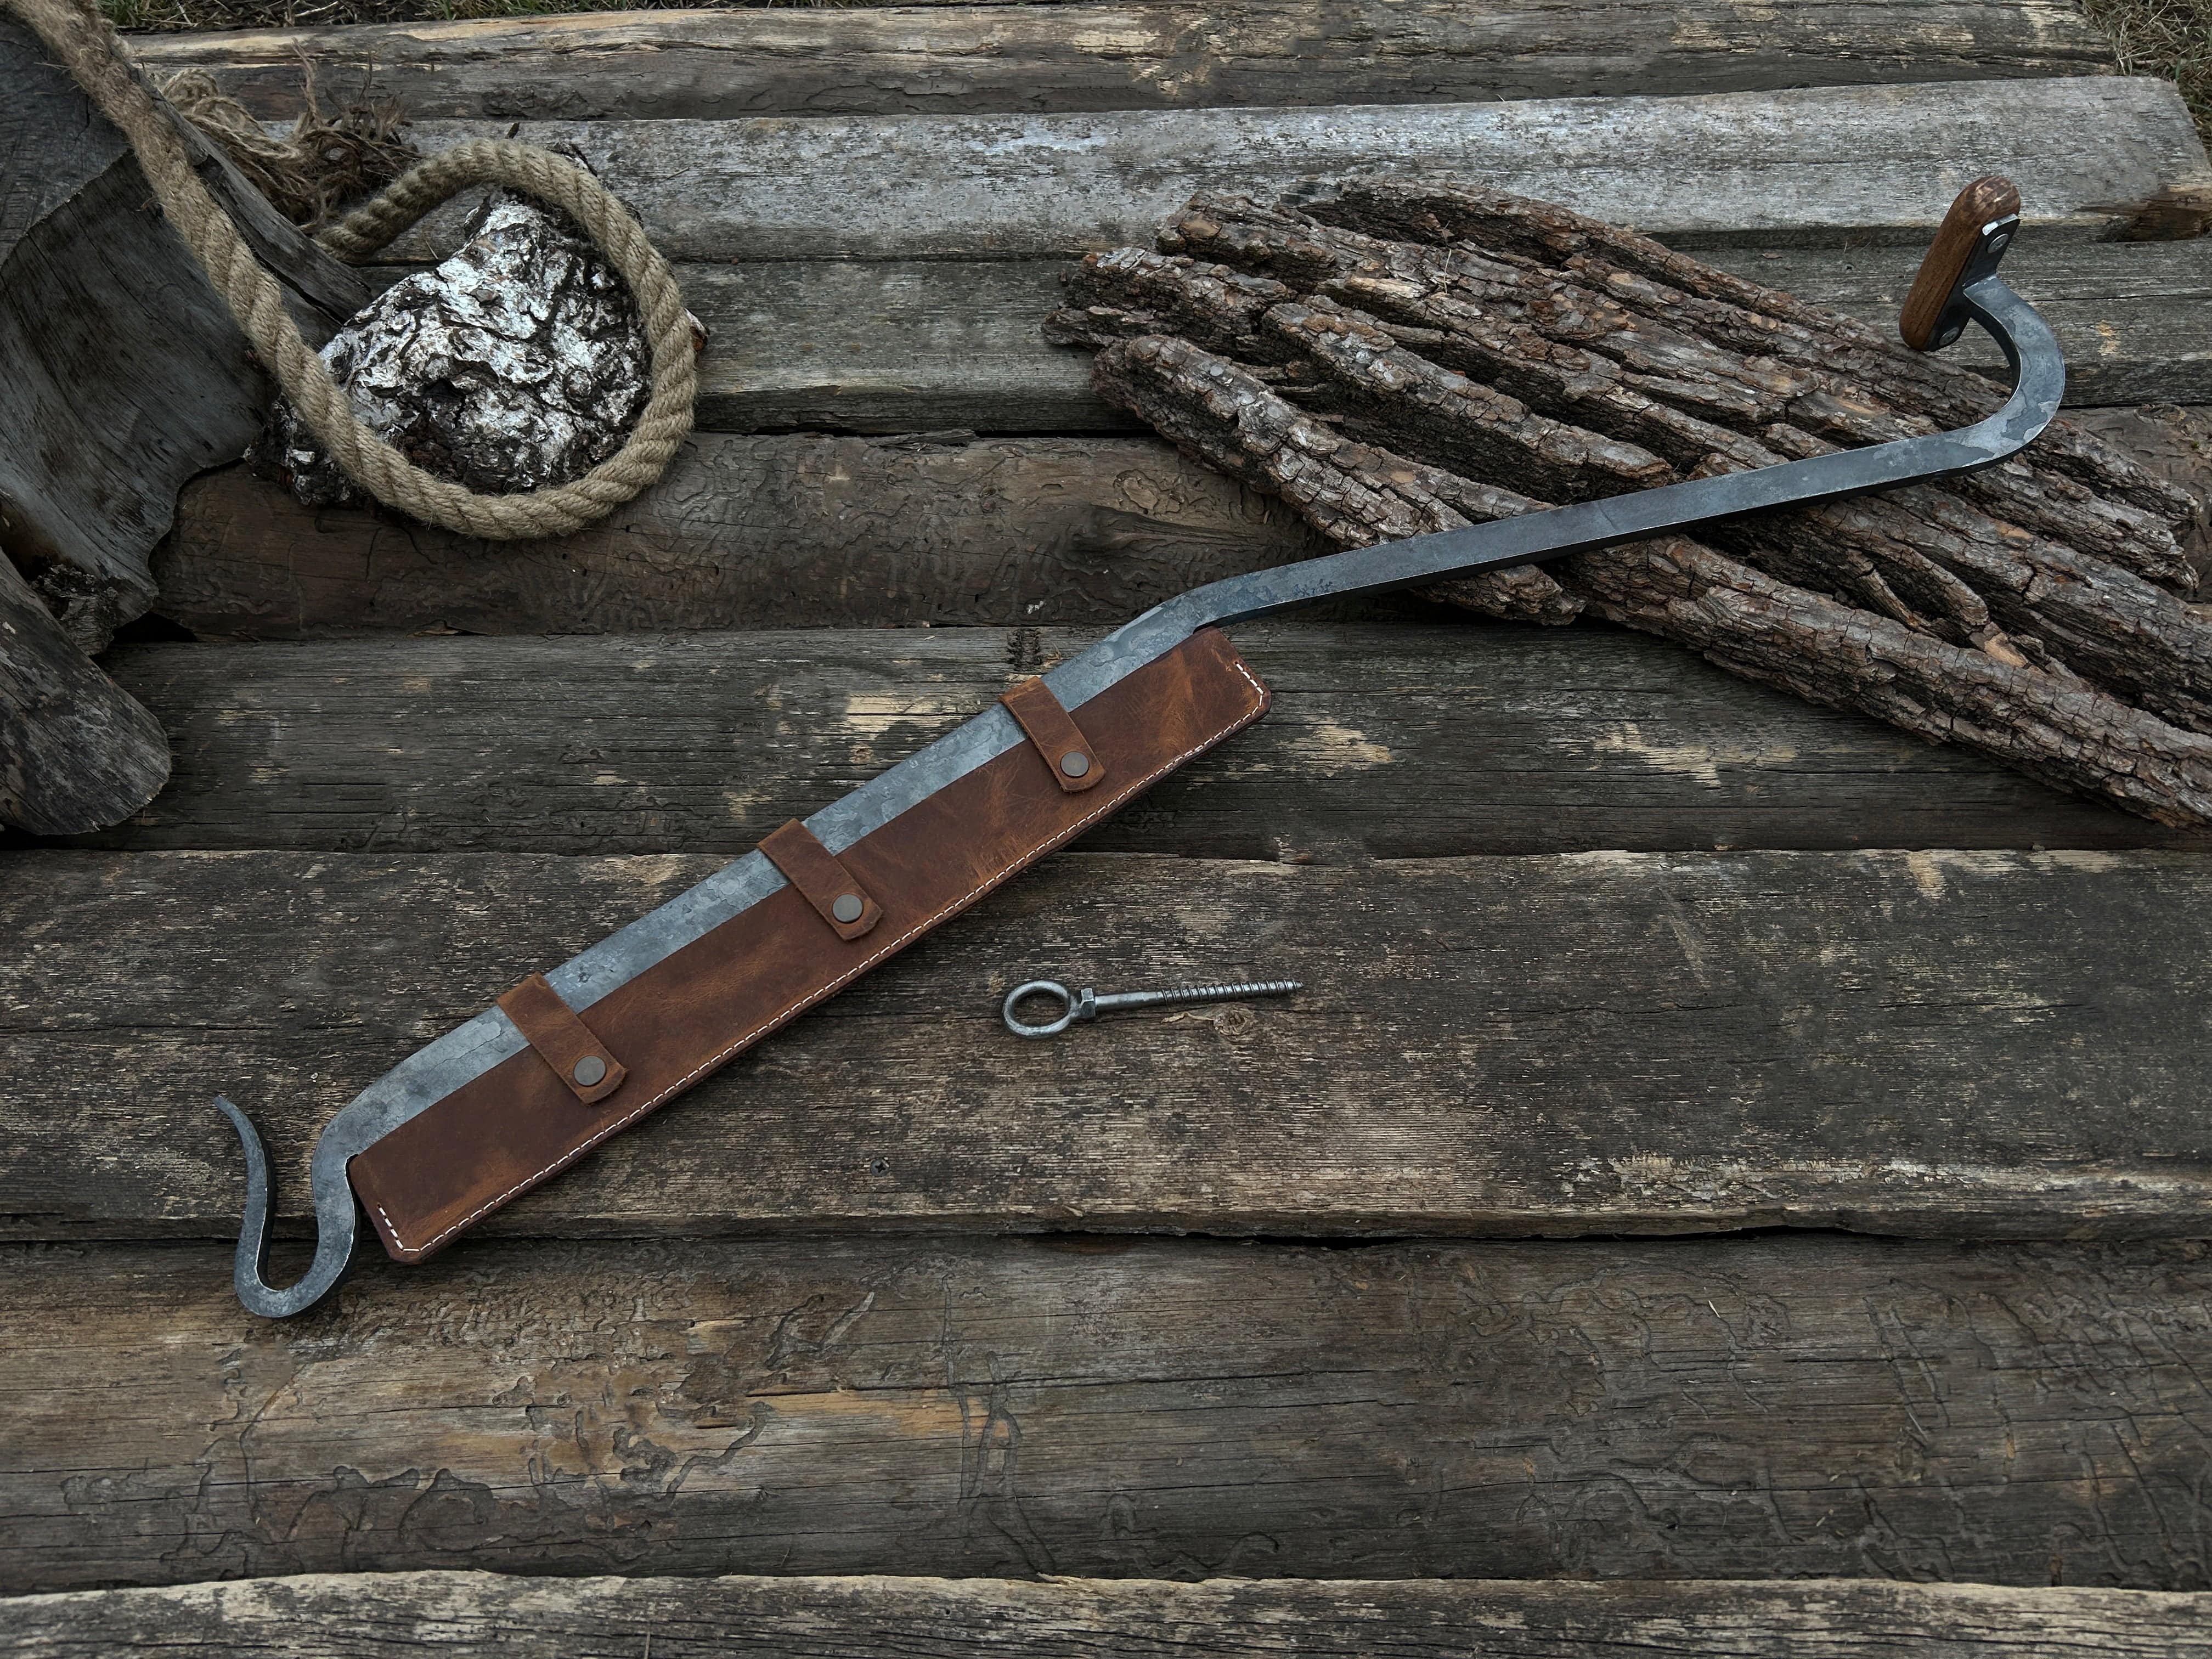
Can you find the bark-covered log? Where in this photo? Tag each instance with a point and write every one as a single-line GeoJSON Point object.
{"type": "Point", "coordinates": [1401, 341]}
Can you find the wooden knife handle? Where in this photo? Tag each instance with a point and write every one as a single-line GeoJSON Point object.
{"type": "Point", "coordinates": [1956, 238]}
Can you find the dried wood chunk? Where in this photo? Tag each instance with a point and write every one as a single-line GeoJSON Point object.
{"type": "Point", "coordinates": [1383, 358]}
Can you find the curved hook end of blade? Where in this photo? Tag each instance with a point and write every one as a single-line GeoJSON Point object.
{"type": "Point", "coordinates": [333, 1244]}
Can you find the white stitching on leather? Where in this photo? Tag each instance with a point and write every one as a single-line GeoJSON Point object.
{"type": "Point", "coordinates": [1259, 704]}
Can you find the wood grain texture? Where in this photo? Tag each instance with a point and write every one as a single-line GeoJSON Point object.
{"type": "Point", "coordinates": [1956, 239]}
{"type": "Point", "coordinates": [2134, 318]}
{"type": "Point", "coordinates": [2175, 443]}
{"type": "Point", "coordinates": [1001, 59]}
{"type": "Point", "coordinates": [126, 375]}
{"type": "Point", "coordinates": [2094, 156]}
{"type": "Point", "coordinates": [462, 1614]}
{"type": "Point", "coordinates": [76, 751]}
{"type": "Point", "coordinates": [1958, 1044]}
{"type": "Point", "coordinates": [797, 531]}
{"type": "Point", "coordinates": [1770, 1409]}
{"type": "Point", "coordinates": [1553, 742]}
{"type": "Point", "coordinates": [801, 532]}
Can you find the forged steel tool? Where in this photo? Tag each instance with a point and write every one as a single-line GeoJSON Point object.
{"type": "Point", "coordinates": [570, 1057]}
{"type": "Point", "coordinates": [1087, 1004]}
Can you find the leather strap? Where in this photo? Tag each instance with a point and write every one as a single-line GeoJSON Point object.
{"type": "Point", "coordinates": [835, 892]}
{"type": "Point", "coordinates": [1052, 731]}
{"type": "Point", "coordinates": [495, 1139]}
{"type": "Point", "coordinates": [551, 1026]}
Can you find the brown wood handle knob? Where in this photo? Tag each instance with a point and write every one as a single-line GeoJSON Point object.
{"type": "Point", "coordinates": [1956, 238]}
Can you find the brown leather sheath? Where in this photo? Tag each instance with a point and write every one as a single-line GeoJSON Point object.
{"type": "Point", "coordinates": [703, 1006]}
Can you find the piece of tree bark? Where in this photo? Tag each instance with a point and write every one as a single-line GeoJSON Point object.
{"type": "Point", "coordinates": [77, 752]}
{"type": "Point", "coordinates": [519, 363]}
{"type": "Point", "coordinates": [1400, 338]}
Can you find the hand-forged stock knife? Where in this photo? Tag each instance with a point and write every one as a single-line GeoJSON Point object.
{"type": "Point", "coordinates": [568, 1057]}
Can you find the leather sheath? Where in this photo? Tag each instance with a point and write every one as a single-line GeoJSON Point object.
{"type": "Point", "coordinates": [495, 1139]}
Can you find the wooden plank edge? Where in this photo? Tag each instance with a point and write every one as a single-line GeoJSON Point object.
{"type": "Point", "coordinates": [402, 1615]}
{"type": "Point", "coordinates": [866, 60]}
{"type": "Point", "coordinates": [2095, 157]}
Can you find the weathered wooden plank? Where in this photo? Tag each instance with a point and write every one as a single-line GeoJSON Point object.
{"type": "Point", "coordinates": [773, 532]}
{"type": "Point", "coordinates": [967, 60]}
{"type": "Point", "coordinates": [904, 346]}
{"type": "Point", "coordinates": [1963, 1043]}
{"type": "Point", "coordinates": [359, 1616]}
{"type": "Point", "coordinates": [1563, 742]}
{"type": "Point", "coordinates": [1769, 1408]}
{"type": "Point", "coordinates": [2094, 156]}
{"type": "Point", "coordinates": [2135, 317]}
{"type": "Point", "coordinates": [791, 533]}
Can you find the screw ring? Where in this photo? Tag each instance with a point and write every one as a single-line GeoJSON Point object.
{"type": "Point", "coordinates": [1041, 987]}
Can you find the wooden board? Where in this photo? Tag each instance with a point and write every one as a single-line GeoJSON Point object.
{"type": "Point", "coordinates": [802, 532]}
{"type": "Point", "coordinates": [2134, 318]}
{"type": "Point", "coordinates": [357, 1616]}
{"type": "Point", "coordinates": [967, 59]}
{"type": "Point", "coordinates": [2094, 156]}
{"type": "Point", "coordinates": [774, 532]}
{"type": "Point", "coordinates": [1953, 1043]}
{"type": "Point", "coordinates": [890, 346]}
{"type": "Point", "coordinates": [1771, 1409]}
{"type": "Point", "coordinates": [1556, 740]}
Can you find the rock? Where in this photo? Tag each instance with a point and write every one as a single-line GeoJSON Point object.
{"type": "Point", "coordinates": [520, 363]}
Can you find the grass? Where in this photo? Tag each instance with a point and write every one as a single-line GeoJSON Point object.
{"type": "Point", "coordinates": [2168, 37]}
{"type": "Point", "coordinates": [174, 16]}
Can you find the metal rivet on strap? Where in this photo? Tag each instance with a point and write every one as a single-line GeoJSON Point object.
{"type": "Point", "coordinates": [847, 907]}
{"type": "Point", "coordinates": [591, 1070]}
{"type": "Point", "coordinates": [1075, 762]}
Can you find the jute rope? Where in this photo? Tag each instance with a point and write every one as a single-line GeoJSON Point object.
{"type": "Point", "coordinates": [85, 43]}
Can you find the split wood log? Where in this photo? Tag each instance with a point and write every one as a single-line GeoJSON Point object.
{"type": "Point", "coordinates": [125, 375]}
{"type": "Point", "coordinates": [1953, 1043]}
{"type": "Point", "coordinates": [969, 60]}
{"type": "Point", "coordinates": [121, 357]}
{"type": "Point", "coordinates": [1377, 357]}
{"type": "Point", "coordinates": [1774, 1408]}
{"type": "Point", "coordinates": [704, 743]}
{"type": "Point", "coordinates": [464, 1615]}
{"type": "Point", "coordinates": [76, 751]}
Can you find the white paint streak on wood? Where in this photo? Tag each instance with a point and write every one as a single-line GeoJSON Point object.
{"type": "Point", "coordinates": [2088, 154]}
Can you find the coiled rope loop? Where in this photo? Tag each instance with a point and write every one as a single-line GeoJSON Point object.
{"type": "Point", "coordinates": [87, 45]}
